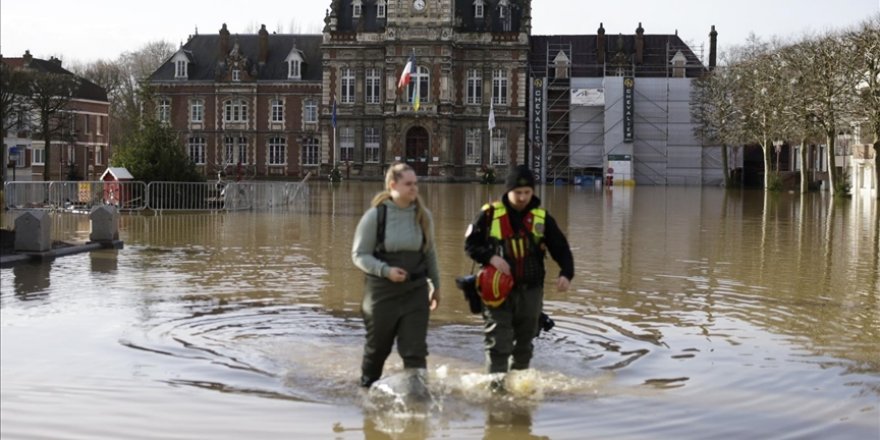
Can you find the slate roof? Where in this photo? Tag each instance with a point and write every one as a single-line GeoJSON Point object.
{"type": "Point", "coordinates": [467, 22]}
{"type": "Point", "coordinates": [584, 59]}
{"type": "Point", "coordinates": [203, 50]}
{"type": "Point", "coordinates": [86, 90]}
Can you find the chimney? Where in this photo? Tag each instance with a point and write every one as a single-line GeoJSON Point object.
{"type": "Point", "coordinates": [600, 45]}
{"type": "Point", "coordinates": [55, 61]}
{"type": "Point", "coordinates": [640, 44]}
{"type": "Point", "coordinates": [224, 44]}
{"type": "Point", "coordinates": [27, 57]}
{"type": "Point", "coordinates": [713, 46]}
{"type": "Point", "coordinates": [264, 45]}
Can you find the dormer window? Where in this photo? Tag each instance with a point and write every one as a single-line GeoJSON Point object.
{"type": "Point", "coordinates": [479, 8]}
{"type": "Point", "coordinates": [294, 62]}
{"type": "Point", "coordinates": [236, 75]}
{"type": "Point", "coordinates": [180, 61]}
{"type": "Point", "coordinates": [380, 9]}
{"type": "Point", "coordinates": [356, 7]}
{"type": "Point", "coordinates": [180, 69]}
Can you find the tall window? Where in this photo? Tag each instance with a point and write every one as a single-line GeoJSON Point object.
{"type": "Point", "coordinates": [236, 150]}
{"type": "Point", "coordinates": [311, 155]}
{"type": "Point", "coordinates": [98, 124]}
{"type": "Point", "coordinates": [311, 111]}
{"type": "Point", "coordinates": [180, 69]}
{"type": "Point", "coordinates": [356, 7]}
{"type": "Point", "coordinates": [39, 155]}
{"type": "Point", "coordinates": [164, 110]}
{"type": "Point", "coordinates": [293, 69]}
{"type": "Point", "coordinates": [99, 154]}
{"type": "Point", "coordinates": [236, 111]}
{"type": "Point", "coordinates": [277, 147]}
{"type": "Point", "coordinates": [474, 87]}
{"type": "Point", "coordinates": [478, 8]}
{"type": "Point", "coordinates": [197, 111]}
{"type": "Point", "coordinates": [499, 146]}
{"type": "Point", "coordinates": [196, 147]}
{"type": "Point", "coordinates": [499, 87]}
{"type": "Point", "coordinates": [277, 110]}
{"type": "Point", "coordinates": [380, 9]}
{"type": "Point", "coordinates": [421, 78]}
{"type": "Point", "coordinates": [473, 144]}
{"type": "Point", "coordinates": [371, 144]}
{"type": "Point", "coordinates": [347, 86]}
{"type": "Point", "coordinates": [373, 86]}
{"type": "Point", "coordinates": [346, 144]}
{"type": "Point", "coordinates": [236, 75]}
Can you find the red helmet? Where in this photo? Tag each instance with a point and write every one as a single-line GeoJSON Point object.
{"type": "Point", "coordinates": [494, 285]}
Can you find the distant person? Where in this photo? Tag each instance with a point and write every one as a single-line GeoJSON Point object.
{"type": "Point", "coordinates": [512, 235]}
{"type": "Point", "coordinates": [398, 265]}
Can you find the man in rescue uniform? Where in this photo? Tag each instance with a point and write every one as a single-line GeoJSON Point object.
{"type": "Point", "coordinates": [513, 235]}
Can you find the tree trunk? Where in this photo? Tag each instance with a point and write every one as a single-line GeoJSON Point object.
{"type": "Point", "coordinates": [47, 148]}
{"type": "Point", "coordinates": [877, 165]}
{"type": "Point", "coordinates": [829, 156]}
{"type": "Point", "coordinates": [725, 165]}
{"type": "Point", "coordinates": [805, 184]}
{"type": "Point", "coordinates": [767, 165]}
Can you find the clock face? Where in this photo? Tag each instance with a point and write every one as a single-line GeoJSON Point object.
{"type": "Point", "coordinates": [419, 5]}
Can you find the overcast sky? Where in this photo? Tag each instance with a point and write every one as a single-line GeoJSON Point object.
{"type": "Point", "coordinates": [88, 30]}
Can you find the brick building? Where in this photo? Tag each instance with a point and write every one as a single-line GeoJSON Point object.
{"type": "Point", "coordinates": [80, 149]}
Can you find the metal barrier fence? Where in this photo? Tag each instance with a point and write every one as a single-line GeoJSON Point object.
{"type": "Point", "coordinates": [159, 196]}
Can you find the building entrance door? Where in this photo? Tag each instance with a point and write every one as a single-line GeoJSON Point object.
{"type": "Point", "coordinates": [417, 150]}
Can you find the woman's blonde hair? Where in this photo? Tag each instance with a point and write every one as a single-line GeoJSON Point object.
{"type": "Point", "coordinates": [394, 174]}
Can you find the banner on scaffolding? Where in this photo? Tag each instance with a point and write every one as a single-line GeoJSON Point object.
{"type": "Point", "coordinates": [628, 109]}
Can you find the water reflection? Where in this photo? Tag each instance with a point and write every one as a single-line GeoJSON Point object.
{"type": "Point", "coordinates": [698, 305]}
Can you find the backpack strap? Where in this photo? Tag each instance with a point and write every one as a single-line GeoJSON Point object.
{"type": "Point", "coordinates": [381, 212]}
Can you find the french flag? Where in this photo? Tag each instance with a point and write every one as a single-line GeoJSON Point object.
{"type": "Point", "coordinates": [408, 70]}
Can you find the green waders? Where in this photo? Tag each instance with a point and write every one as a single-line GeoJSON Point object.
{"type": "Point", "coordinates": [398, 310]}
{"type": "Point", "coordinates": [510, 328]}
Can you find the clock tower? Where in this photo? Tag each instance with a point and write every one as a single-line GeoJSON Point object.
{"type": "Point", "coordinates": [467, 57]}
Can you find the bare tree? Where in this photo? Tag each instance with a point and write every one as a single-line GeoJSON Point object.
{"type": "Point", "coordinates": [799, 91]}
{"type": "Point", "coordinates": [13, 86]}
{"type": "Point", "coordinates": [758, 94]}
{"type": "Point", "coordinates": [865, 43]}
{"type": "Point", "coordinates": [717, 117]}
{"type": "Point", "coordinates": [48, 95]}
{"type": "Point", "coordinates": [127, 101]}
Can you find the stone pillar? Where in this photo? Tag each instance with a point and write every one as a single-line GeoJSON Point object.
{"type": "Point", "coordinates": [105, 223]}
{"type": "Point", "coordinates": [33, 231]}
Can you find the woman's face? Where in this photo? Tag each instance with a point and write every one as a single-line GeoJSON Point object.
{"type": "Point", "coordinates": [405, 190]}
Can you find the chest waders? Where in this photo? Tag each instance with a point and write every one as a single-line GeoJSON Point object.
{"type": "Point", "coordinates": [395, 310]}
{"type": "Point", "coordinates": [510, 327]}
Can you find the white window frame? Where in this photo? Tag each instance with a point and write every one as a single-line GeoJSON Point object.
{"type": "Point", "coordinates": [372, 144]}
{"type": "Point", "coordinates": [421, 78]}
{"type": "Point", "coordinates": [235, 110]}
{"type": "Point", "coordinates": [499, 86]}
{"type": "Point", "coordinates": [235, 150]}
{"type": "Point", "coordinates": [373, 82]}
{"type": "Point", "coordinates": [38, 155]}
{"type": "Point", "coordinates": [381, 9]}
{"type": "Point", "coordinates": [236, 75]}
{"type": "Point", "coordinates": [479, 9]}
{"type": "Point", "coordinates": [196, 149]}
{"type": "Point", "coordinates": [474, 87]}
{"type": "Point", "coordinates": [473, 146]}
{"type": "Point", "coordinates": [180, 69]}
{"type": "Point", "coordinates": [99, 154]}
{"type": "Point", "coordinates": [310, 111]}
{"type": "Point", "coordinates": [356, 8]}
{"type": "Point", "coordinates": [311, 152]}
{"type": "Point", "coordinates": [98, 124]}
{"type": "Point", "coordinates": [347, 85]}
{"type": "Point", "coordinates": [164, 110]}
{"type": "Point", "coordinates": [293, 69]}
{"type": "Point", "coordinates": [277, 110]}
{"type": "Point", "coordinates": [197, 110]}
{"type": "Point", "coordinates": [499, 146]}
{"type": "Point", "coordinates": [277, 151]}
{"type": "Point", "coordinates": [346, 144]}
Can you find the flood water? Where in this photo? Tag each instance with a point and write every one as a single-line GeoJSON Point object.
{"type": "Point", "coordinates": [694, 313]}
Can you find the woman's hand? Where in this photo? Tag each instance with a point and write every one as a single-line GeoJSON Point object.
{"type": "Point", "coordinates": [397, 275]}
{"type": "Point", "coordinates": [434, 300]}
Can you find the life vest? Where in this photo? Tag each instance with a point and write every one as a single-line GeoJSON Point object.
{"type": "Point", "coordinates": [521, 248]}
